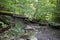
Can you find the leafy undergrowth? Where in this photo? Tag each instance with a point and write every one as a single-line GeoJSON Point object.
{"type": "Point", "coordinates": [14, 31]}
{"type": "Point", "coordinates": [5, 21]}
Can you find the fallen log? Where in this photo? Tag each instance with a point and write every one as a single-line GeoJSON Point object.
{"type": "Point", "coordinates": [13, 15]}
{"type": "Point", "coordinates": [24, 19]}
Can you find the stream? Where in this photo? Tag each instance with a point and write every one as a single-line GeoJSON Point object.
{"type": "Point", "coordinates": [40, 33]}
{"type": "Point", "coordinates": [45, 32]}
{"type": "Point", "coordinates": [48, 34]}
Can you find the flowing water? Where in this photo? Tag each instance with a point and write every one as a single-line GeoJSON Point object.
{"type": "Point", "coordinates": [40, 33]}
{"type": "Point", "coordinates": [46, 33]}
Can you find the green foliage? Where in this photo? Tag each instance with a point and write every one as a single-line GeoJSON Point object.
{"type": "Point", "coordinates": [56, 15]}
{"type": "Point", "coordinates": [14, 31]}
{"type": "Point", "coordinates": [33, 9]}
{"type": "Point", "coordinates": [5, 20]}
{"type": "Point", "coordinates": [29, 8]}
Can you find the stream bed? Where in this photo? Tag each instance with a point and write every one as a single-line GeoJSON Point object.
{"type": "Point", "coordinates": [37, 32]}
{"type": "Point", "coordinates": [45, 32]}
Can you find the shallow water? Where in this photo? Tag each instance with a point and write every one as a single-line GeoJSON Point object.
{"type": "Point", "coordinates": [43, 33]}
{"type": "Point", "coordinates": [46, 33]}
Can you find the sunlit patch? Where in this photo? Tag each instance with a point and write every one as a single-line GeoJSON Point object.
{"type": "Point", "coordinates": [36, 0]}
